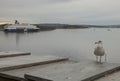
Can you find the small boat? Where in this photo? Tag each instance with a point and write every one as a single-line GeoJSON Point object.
{"type": "Point", "coordinates": [21, 28]}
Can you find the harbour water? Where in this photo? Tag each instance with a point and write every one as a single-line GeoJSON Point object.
{"type": "Point", "coordinates": [77, 44]}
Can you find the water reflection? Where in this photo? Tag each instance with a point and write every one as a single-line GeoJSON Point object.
{"type": "Point", "coordinates": [16, 36]}
{"type": "Point", "coordinates": [74, 43]}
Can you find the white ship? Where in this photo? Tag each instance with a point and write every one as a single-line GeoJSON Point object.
{"type": "Point", "coordinates": [20, 28]}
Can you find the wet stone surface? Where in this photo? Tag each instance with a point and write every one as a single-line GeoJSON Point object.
{"type": "Point", "coordinates": [82, 71]}
{"type": "Point", "coordinates": [26, 61]}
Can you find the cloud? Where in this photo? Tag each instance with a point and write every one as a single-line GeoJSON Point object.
{"type": "Point", "coordinates": [62, 11]}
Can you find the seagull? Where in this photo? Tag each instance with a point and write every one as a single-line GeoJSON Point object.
{"type": "Point", "coordinates": [99, 51]}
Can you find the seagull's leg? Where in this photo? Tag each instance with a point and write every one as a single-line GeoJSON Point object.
{"type": "Point", "coordinates": [100, 59]}
{"type": "Point", "coordinates": [105, 58]}
{"type": "Point", "coordinates": [96, 58]}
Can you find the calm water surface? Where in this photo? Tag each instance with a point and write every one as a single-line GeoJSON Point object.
{"type": "Point", "coordinates": [77, 44]}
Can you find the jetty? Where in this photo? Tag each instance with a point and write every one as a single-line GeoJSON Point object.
{"type": "Point", "coordinates": [12, 53]}
{"type": "Point", "coordinates": [52, 68]}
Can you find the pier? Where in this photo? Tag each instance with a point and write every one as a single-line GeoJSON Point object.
{"type": "Point", "coordinates": [82, 71]}
{"type": "Point", "coordinates": [13, 53]}
{"type": "Point", "coordinates": [52, 68]}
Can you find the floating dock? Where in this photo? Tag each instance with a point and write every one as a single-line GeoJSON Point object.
{"type": "Point", "coordinates": [18, 74]}
{"type": "Point", "coordinates": [51, 68]}
{"type": "Point", "coordinates": [27, 61]}
{"type": "Point", "coordinates": [82, 71]}
{"type": "Point", "coordinates": [62, 71]}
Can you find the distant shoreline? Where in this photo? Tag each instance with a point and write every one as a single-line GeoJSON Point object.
{"type": "Point", "coordinates": [45, 27]}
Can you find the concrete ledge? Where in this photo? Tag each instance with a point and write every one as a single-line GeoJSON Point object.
{"type": "Point", "coordinates": [27, 61]}
{"type": "Point", "coordinates": [83, 71]}
{"type": "Point", "coordinates": [18, 74]}
{"type": "Point", "coordinates": [13, 54]}
{"type": "Point", "coordinates": [34, 78]}
{"type": "Point", "coordinates": [97, 76]}
{"type": "Point", "coordinates": [5, 77]}
{"type": "Point", "coordinates": [69, 71]}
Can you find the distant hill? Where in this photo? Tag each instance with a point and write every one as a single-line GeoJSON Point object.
{"type": "Point", "coordinates": [50, 26]}
{"type": "Point", "coordinates": [114, 26]}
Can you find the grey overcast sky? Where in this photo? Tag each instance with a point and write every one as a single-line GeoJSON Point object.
{"type": "Point", "coordinates": [99, 12]}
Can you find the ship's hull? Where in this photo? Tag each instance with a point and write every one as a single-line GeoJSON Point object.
{"type": "Point", "coordinates": [21, 30]}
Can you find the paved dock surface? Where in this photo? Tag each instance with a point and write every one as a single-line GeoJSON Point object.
{"type": "Point", "coordinates": [52, 68]}
{"type": "Point", "coordinates": [27, 61]}
{"type": "Point", "coordinates": [12, 54]}
{"type": "Point", "coordinates": [18, 74]}
{"type": "Point", "coordinates": [83, 71]}
{"type": "Point", "coordinates": [111, 77]}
